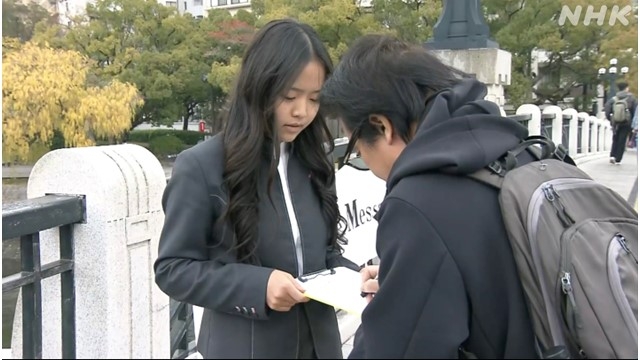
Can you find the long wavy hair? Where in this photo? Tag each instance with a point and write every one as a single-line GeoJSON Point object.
{"type": "Point", "coordinates": [276, 56]}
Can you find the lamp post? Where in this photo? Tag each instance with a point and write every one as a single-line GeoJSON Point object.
{"type": "Point", "coordinates": [612, 76]}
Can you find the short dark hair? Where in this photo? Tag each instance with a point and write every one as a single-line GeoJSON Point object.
{"type": "Point", "coordinates": [622, 86]}
{"type": "Point", "coordinates": [381, 74]}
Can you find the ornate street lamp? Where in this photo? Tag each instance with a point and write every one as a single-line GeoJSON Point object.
{"type": "Point", "coordinates": [612, 76]}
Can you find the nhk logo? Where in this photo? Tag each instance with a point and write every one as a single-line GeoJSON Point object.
{"type": "Point", "coordinates": [615, 15]}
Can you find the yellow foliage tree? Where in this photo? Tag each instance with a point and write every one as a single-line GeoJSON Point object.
{"type": "Point", "coordinates": [46, 89]}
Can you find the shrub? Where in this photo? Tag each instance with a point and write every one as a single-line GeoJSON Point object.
{"type": "Point", "coordinates": [188, 137]}
{"type": "Point", "coordinates": [163, 146]}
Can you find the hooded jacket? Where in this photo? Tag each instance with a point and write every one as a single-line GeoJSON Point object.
{"type": "Point", "coordinates": [448, 280]}
{"type": "Point", "coordinates": [632, 104]}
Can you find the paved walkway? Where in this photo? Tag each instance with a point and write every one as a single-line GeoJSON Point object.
{"type": "Point", "coordinates": [621, 178]}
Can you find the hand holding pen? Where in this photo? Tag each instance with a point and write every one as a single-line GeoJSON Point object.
{"type": "Point", "coordinates": [369, 285]}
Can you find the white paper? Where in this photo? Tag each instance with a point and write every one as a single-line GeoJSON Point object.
{"type": "Point", "coordinates": [340, 289]}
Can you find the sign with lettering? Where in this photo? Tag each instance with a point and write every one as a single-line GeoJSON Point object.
{"type": "Point", "coordinates": [359, 196]}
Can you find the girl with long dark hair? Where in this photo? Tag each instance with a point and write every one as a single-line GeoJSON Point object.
{"type": "Point", "coordinates": [251, 209]}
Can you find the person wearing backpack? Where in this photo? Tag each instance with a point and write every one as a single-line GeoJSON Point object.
{"type": "Point", "coordinates": [448, 281]}
{"type": "Point", "coordinates": [619, 110]}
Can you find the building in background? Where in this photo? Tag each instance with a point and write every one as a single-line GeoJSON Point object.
{"type": "Point", "coordinates": [200, 8]}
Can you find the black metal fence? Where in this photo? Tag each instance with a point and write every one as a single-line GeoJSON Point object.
{"type": "Point", "coordinates": [521, 118]}
{"type": "Point", "coordinates": [182, 330]}
{"type": "Point", "coordinates": [546, 126]}
{"type": "Point", "coordinates": [24, 220]}
{"type": "Point", "coordinates": [580, 124]}
{"type": "Point", "coordinates": [566, 119]}
{"type": "Point", "coordinates": [591, 145]}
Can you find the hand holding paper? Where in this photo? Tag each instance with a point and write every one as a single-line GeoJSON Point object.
{"type": "Point", "coordinates": [338, 287]}
{"type": "Point", "coordinates": [283, 291]}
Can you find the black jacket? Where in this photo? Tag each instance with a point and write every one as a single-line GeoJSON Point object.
{"type": "Point", "coordinates": [194, 264]}
{"type": "Point", "coordinates": [632, 104]}
{"type": "Point", "coordinates": [447, 275]}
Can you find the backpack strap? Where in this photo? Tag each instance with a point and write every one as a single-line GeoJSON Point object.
{"type": "Point", "coordinates": [493, 174]}
{"type": "Point", "coordinates": [488, 177]}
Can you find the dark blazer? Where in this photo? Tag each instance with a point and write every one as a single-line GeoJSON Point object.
{"type": "Point", "coordinates": [195, 263]}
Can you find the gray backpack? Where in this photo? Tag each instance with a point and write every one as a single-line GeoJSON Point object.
{"type": "Point", "coordinates": [575, 243]}
{"type": "Point", "coordinates": [620, 110]}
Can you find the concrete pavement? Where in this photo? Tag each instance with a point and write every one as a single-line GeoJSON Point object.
{"type": "Point", "coordinates": [622, 178]}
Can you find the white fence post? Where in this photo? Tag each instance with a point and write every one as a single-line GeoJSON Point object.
{"type": "Point", "coordinates": [556, 130]}
{"type": "Point", "coordinates": [120, 312]}
{"type": "Point", "coordinates": [593, 123]}
{"type": "Point", "coordinates": [601, 133]}
{"type": "Point", "coordinates": [534, 123]}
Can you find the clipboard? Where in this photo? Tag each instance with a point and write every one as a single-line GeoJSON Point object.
{"type": "Point", "coordinates": [338, 287]}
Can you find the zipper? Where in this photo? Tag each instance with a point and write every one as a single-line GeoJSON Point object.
{"type": "Point", "coordinates": [572, 316]}
{"type": "Point", "coordinates": [623, 243]}
{"type": "Point", "coordinates": [547, 191]}
{"type": "Point", "coordinates": [617, 243]}
{"type": "Point", "coordinates": [532, 215]}
{"type": "Point", "coordinates": [554, 198]}
{"type": "Point", "coordinates": [541, 193]}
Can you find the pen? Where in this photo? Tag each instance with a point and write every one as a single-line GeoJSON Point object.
{"type": "Point", "coordinates": [364, 294]}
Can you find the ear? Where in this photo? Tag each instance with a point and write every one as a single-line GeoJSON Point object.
{"type": "Point", "coordinates": [383, 124]}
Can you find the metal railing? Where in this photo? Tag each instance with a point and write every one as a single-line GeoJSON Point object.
{"type": "Point", "coordinates": [182, 330]}
{"type": "Point", "coordinates": [580, 124]}
{"type": "Point", "coordinates": [521, 118]}
{"type": "Point", "coordinates": [546, 126]}
{"type": "Point", "coordinates": [25, 219]}
{"type": "Point", "coordinates": [566, 119]}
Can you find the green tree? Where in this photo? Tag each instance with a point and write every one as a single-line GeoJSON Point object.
{"type": "Point", "coordinates": [150, 45]}
{"type": "Point", "coordinates": [19, 20]}
{"type": "Point", "coordinates": [412, 20]}
{"type": "Point", "coordinates": [573, 52]}
{"type": "Point", "coordinates": [338, 22]}
{"type": "Point", "coordinates": [227, 38]}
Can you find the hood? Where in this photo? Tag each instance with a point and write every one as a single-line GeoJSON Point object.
{"type": "Point", "coordinates": [460, 134]}
{"type": "Point", "coordinates": [622, 94]}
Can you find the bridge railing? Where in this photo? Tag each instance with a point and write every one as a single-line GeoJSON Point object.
{"type": "Point", "coordinates": [25, 220]}
{"type": "Point", "coordinates": [111, 307]}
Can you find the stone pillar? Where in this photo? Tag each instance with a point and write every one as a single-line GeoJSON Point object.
{"type": "Point", "coordinates": [120, 312]}
{"type": "Point", "coordinates": [490, 66]}
{"type": "Point", "coordinates": [593, 123]}
{"type": "Point", "coordinates": [601, 130]}
{"type": "Point", "coordinates": [584, 117]}
{"type": "Point", "coordinates": [573, 130]}
{"type": "Point", "coordinates": [536, 117]}
{"type": "Point", "coordinates": [556, 134]}
{"type": "Point", "coordinates": [461, 39]}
